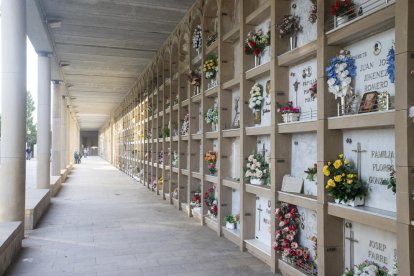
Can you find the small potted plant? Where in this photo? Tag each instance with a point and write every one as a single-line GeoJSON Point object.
{"type": "Point", "coordinates": [211, 117]}
{"type": "Point", "coordinates": [230, 221]}
{"type": "Point", "coordinates": [165, 132]}
{"type": "Point", "coordinates": [211, 158]}
{"type": "Point", "coordinates": [311, 172]}
{"type": "Point", "coordinates": [196, 200]}
{"type": "Point", "coordinates": [255, 44]}
{"type": "Point", "coordinates": [342, 11]}
{"type": "Point", "coordinates": [186, 124]}
{"type": "Point", "coordinates": [289, 112]}
{"type": "Point", "coordinates": [257, 170]}
{"type": "Point", "coordinates": [343, 184]}
{"type": "Point", "coordinates": [289, 26]}
{"type": "Point", "coordinates": [256, 101]}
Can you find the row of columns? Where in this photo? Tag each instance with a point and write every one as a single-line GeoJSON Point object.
{"type": "Point", "coordinates": [58, 144]}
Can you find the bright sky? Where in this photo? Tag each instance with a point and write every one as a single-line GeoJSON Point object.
{"type": "Point", "coordinates": [31, 72]}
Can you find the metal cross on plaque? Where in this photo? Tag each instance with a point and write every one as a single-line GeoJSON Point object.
{"type": "Point", "coordinates": [351, 247]}
{"type": "Point", "coordinates": [359, 151]}
{"type": "Point", "coordinates": [260, 212]}
{"type": "Point", "coordinates": [236, 120]}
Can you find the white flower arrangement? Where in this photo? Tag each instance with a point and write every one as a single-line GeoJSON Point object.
{"type": "Point", "coordinates": [256, 97]}
{"type": "Point", "coordinates": [211, 116]}
{"type": "Point", "coordinates": [340, 72]}
{"type": "Point", "coordinates": [174, 161]}
{"type": "Point", "coordinates": [368, 268]}
{"type": "Point", "coordinates": [186, 124]}
{"type": "Point", "coordinates": [197, 38]}
{"type": "Point", "coordinates": [257, 168]}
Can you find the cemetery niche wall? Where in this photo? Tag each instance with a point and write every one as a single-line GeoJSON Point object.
{"type": "Point", "coordinates": [252, 106]}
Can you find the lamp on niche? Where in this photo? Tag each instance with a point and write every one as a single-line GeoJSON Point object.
{"type": "Point", "coordinates": [54, 23]}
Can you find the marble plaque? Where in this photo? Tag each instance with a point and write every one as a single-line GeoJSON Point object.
{"type": "Point", "coordinates": [376, 161]}
{"type": "Point", "coordinates": [235, 158]}
{"type": "Point", "coordinates": [235, 202]}
{"type": "Point", "coordinates": [302, 9]}
{"type": "Point", "coordinates": [304, 156]}
{"type": "Point", "coordinates": [371, 244]}
{"type": "Point", "coordinates": [371, 61]}
{"type": "Point", "coordinates": [235, 98]}
{"type": "Point", "coordinates": [263, 217]}
{"type": "Point", "coordinates": [301, 78]}
{"type": "Point", "coordinates": [266, 53]}
{"type": "Point", "coordinates": [308, 229]}
{"type": "Point", "coordinates": [263, 143]}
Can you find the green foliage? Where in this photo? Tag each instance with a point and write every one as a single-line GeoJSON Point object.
{"type": "Point", "coordinates": [31, 129]}
{"type": "Point", "coordinates": [230, 219]}
{"type": "Point", "coordinates": [392, 182]}
{"type": "Point", "coordinates": [165, 132]}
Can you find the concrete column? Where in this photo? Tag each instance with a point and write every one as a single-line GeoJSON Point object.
{"type": "Point", "coordinates": [43, 122]}
{"type": "Point", "coordinates": [69, 152]}
{"type": "Point", "coordinates": [13, 144]}
{"type": "Point", "coordinates": [56, 125]}
{"type": "Point", "coordinates": [63, 116]}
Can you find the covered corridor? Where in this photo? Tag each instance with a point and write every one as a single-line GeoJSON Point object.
{"type": "Point", "coordinates": [105, 223]}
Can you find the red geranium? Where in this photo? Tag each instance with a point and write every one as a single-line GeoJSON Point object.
{"type": "Point", "coordinates": [342, 7]}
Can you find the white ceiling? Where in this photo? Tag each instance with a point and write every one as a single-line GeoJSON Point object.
{"type": "Point", "coordinates": [107, 44]}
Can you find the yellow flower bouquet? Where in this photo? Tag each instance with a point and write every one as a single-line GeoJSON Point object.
{"type": "Point", "coordinates": [343, 183]}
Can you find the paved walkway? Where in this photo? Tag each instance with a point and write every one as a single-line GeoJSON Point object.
{"type": "Point", "coordinates": [103, 223]}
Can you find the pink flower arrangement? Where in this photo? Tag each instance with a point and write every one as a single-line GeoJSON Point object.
{"type": "Point", "coordinates": [286, 238]}
{"type": "Point", "coordinates": [288, 108]}
{"type": "Point", "coordinates": [211, 202]}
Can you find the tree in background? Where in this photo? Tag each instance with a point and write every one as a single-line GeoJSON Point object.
{"type": "Point", "coordinates": [31, 130]}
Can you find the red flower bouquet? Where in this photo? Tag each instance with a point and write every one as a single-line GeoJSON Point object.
{"type": "Point", "coordinates": [342, 7]}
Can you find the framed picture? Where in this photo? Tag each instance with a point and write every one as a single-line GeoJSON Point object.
{"type": "Point", "coordinates": [369, 102]}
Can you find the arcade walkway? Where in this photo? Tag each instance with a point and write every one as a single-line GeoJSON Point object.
{"type": "Point", "coordinates": [104, 223]}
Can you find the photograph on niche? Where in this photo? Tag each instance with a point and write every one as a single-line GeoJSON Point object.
{"type": "Point", "coordinates": [369, 102]}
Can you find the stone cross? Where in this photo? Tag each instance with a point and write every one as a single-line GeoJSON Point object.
{"type": "Point", "coordinates": [260, 211]}
{"type": "Point", "coordinates": [359, 151]}
{"type": "Point", "coordinates": [351, 248]}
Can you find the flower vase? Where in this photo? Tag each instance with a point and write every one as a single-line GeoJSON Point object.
{"type": "Point", "coordinates": [358, 201]}
{"type": "Point", "coordinates": [293, 42]}
{"type": "Point", "coordinates": [196, 90]}
{"type": "Point", "coordinates": [257, 60]}
{"type": "Point", "coordinates": [256, 181]}
{"type": "Point", "coordinates": [285, 117]}
{"type": "Point", "coordinates": [257, 116]}
{"type": "Point", "coordinates": [342, 108]}
{"type": "Point", "coordinates": [214, 127]}
{"type": "Point", "coordinates": [339, 20]}
{"type": "Point", "coordinates": [293, 117]}
{"type": "Point", "coordinates": [230, 226]}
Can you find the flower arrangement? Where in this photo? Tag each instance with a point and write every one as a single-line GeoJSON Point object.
{"type": "Point", "coordinates": [256, 42]}
{"type": "Point", "coordinates": [391, 64]}
{"type": "Point", "coordinates": [311, 172]}
{"type": "Point", "coordinates": [257, 170]}
{"type": "Point", "coordinates": [186, 124]}
{"type": "Point", "coordinates": [340, 72]}
{"type": "Point", "coordinates": [289, 26]}
{"type": "Point", "coordinates": [210, 67]}
{"type": "Point", "coordinates": [194, 77]}
{"type": "Point", "coordinates": [288, 108]}
{"type": "Point", "coordinates": [313, 90]}
{"type": "Point", "coordinates": [367, 268]}
{"type": "Point", "coordinates": [165, 132]}
{"type": "Point", "coordinates": [160, 182]}
{"type": "Point", "coordinates": [343, 183]}
{"type": "Point", "coordinates": [211, 158]}
{"type": "Point", "coordinates": [174, 161]}
{"type": "Point", "coordinates": [196, 200]}
{"type": "Point", "coordinates": [211, 116]}
{"type": "Point", "coordinates": [211, 202]}
{"type": "Point", "coordinates": [174, 194]}
{"type": "Point", "coordinates": [197, 38]}
{"type": "Point", "coordinates": [256, 97]}
{"type": "Point", "coordinates": [342, 7]}
{"type": "Point", "coordinates": [230, 221]}
{"type": "Point", "coordinates": [313, 14]}
{"type": "Point", "coordinates": [286, 240]}
{"type": "Point", "coordinates": [161, 157]}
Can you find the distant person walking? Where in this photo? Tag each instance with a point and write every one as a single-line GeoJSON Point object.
{"type": "Point", "coordinates": [28, 153]}
{"type": "Point", "coordinates": [85, 152]}
{"type": "Point", "coordinates": [76, 157]}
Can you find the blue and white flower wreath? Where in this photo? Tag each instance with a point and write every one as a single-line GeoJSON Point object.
{"type": "Point", "coordinates": [340, 72]}
{"type": "Point", "coordinates": [391, 64]}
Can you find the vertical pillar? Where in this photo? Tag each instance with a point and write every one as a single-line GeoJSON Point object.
{"type": "Point", "coordinates": [13, 161]}
{"type": "Point", "coordinates": [56, 124]}
{"type": "Point", "coordinates": [63, 134]}
{"type": "Point", "coordinates": [43, 122]}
